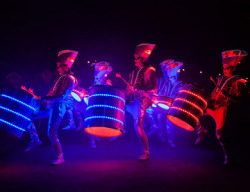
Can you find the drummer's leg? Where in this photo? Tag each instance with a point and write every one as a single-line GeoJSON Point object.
{"type": "Point", "coordinates": [150, 114]}
{"type": "Point", "coordinates": [138, 124]}
{"type": "Point", "coordinates": [55, 119]}
{"type": "Point", "coordinates": [71, 122]}
{"type": "Point", "coordinates": [34, 138]}
{"type": "Point", "coordinates": [171, 131]}
{"type": "Point", "coordinates": [220, 132]}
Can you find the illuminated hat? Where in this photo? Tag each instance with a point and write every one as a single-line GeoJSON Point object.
{"type": "Point", "coordinates": [232, 57]}
{"type": "Point", "coordinates": [165, 63]}
{"type": "Point", "coordinates": [173, 68]}
{"type": "Point", "coordinates": [66, 57]}
{"type": "Point", "coordinates": [103, 66]}
{"type": "Point", "coordinates": [144, 50]}
{"type": "Point", "coordinates": [102, 69]}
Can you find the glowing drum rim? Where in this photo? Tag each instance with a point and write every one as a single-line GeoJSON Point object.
{"type": "Point", "coordinates": [164, 102]}
{"type": "Point", "coordinates": [188, 106]}
{"type": "Point", "coordinates": [16, 110]}
{"type": "Point", "coordinates": [105, 113]}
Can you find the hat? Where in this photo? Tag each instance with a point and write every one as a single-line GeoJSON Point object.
{"type": "Point", "coordinates": [172, 68]}
{"type": "Point", "coordinates": [232, 57]}
{"type": "Point", "coordinates": [66, 57]}
{"type": "Point", "coordinates": [144, 50]}
{"type": "Point", "coordinates": [103, 66]}
{"type": "Point", "coordinates": [166, 62]}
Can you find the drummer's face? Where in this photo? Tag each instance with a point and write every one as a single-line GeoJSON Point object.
{"type": "Point", "coordinates": [62, 69]}
{"type": "Point", "coordinates": [139, 61]}
{"type": "Point", "coordinates": [228, 71]}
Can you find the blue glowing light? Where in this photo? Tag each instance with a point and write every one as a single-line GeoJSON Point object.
{"type": "Point", "coordinates": [8, 123]}
{"type": "Point", "coordinates": [163, 106]}
{"type": "Point", "coordinates": [103, 117]}
{"type": "Point", "coordinates": [76, 97]}
{"type": "Point", "coordinates": [105, 106]}
{"type": "Point", "coordinates": [19, 114]}
{"type": "Point", "coordinates": [3, 95]}
{"type": "Point", "coordinates": [107, 95]}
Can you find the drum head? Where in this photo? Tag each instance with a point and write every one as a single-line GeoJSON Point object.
{"type": "Point", "coordinates": [180, 123]}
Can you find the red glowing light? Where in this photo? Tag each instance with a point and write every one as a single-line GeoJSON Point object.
{"type": "Point", "coordinates": [103, 131]}
{"type": "Point", "coordinates": [198, 96]}
{"type": "Point", "coordinates": [188, 113]}
{"type": "Point", "coordinates": [71, 59]}
{"type": "Point", "coordinates": [191, 103]}
{"type": "Point", "coordinates": [148, 51]}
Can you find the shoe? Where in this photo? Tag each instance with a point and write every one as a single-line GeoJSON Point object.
{"type": "Point", "coordinates": [33, 145]}
{"type": "Point", "coordinates": [69, 127]}
{"type": "Point", "coordinates": [58, 161]}
{"type": "Point", "coordinates": [144, 157]}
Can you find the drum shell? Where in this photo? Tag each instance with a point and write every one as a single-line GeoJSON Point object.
{"type": "Point", "coordinates": [188, 106]}
{"type": "Point", "coordinates": [16, 110]}
{"type": "Point", "coordinates": [105, 113]}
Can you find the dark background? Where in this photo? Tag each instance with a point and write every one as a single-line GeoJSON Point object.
{"type": "Point", "coordinates": [194, 33]}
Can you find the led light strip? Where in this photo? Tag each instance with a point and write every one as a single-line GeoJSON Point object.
{"type": "Point", "coordinates": [8, 123]}
{"type": "Point", "coordinates": [191, 93]}
{"type": "Point", "coordinates": [107, 95]}
{"type": "Point", "coordinates": [196, 106]}
{"type": "Point", "coordinates": [103, 117]}
{"type": "Point", "coordinates": [18, 101]}
{"type": "Point", "coordinates": [19, 114]}
{"type": "Point", "coordinates": [105, 106]}
{"type": "Point", "coordinates": [188, 113]}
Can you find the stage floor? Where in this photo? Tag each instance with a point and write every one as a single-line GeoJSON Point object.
{"type": "Point", "coordinates": [113, 166]}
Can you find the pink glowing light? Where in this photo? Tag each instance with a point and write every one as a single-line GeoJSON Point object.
{"type": "Point", "coordinates": [198, 96]}
{"type": "Point", "coordinates": [188, 113]}
{"type": "Point", "coordinates": [191, 103]}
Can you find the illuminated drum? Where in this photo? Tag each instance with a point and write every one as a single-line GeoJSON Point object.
{"type": "Point", "coordinates": [188, 106]}
{"type": "Point", "coordinates": [16, 109]}
{"type": "Point", "coordinates": [105, 112]}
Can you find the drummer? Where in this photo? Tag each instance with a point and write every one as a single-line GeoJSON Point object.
{"type": "Point", "coordinates": [169, 86]}
{"type": "Point", "coordinates": [60, 100]}
{"type": "Point", "coordinates": [228, 90]}
{"type": "Point", "coordinates": [143, 82]}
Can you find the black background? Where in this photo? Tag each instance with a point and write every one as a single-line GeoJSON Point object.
{"type": "Point", "coordinates": [193, 32]}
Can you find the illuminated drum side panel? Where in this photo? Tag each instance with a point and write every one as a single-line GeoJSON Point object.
{"type": "Point", "coordinates": [105, 106]}
{"type": "Point", "coordinates": [194, 94]}
{"type": "Point", "coordinates": [8, 123]}
{"type": "Point", "coordinates": [6, 96]}
{"type": "Point", "coordinates": [107, 95]}
{"type": "Point", "coordinates": [104, 117]}
{"type": "Point", "coordinates": [188, 113]}
{"type": "Point", "coordinates": [16, 113]}
{"type": "Point", "coordinates": [191, 103]}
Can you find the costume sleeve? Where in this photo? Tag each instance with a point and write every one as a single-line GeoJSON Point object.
{"type": "Point", "coordinates": [237, 89]}
{"type": "Point", "coordinates": [151, 79]}
{"type": "Point", "coordinates": [69, 82]}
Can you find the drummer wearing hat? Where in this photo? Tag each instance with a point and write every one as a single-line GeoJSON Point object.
{"type": "Point", "coordinates": [143, 82]}
{"type": "Point", "coordinates": [59, 97]}
{"type": "Point", "coordinates": [228, 89]}
{"type": "Point", "coordinates": [169, 86]}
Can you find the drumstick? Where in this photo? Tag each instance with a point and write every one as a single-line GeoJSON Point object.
{"type": "Point", "coordinates": [29, 91]}
{"type": "Point", "coordinates": [211, 78]}
{"type": "Point", "coordinates": [119, 76]}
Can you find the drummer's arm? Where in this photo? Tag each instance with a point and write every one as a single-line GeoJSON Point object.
{"type": "Point", "coordinates": [65, 90]}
